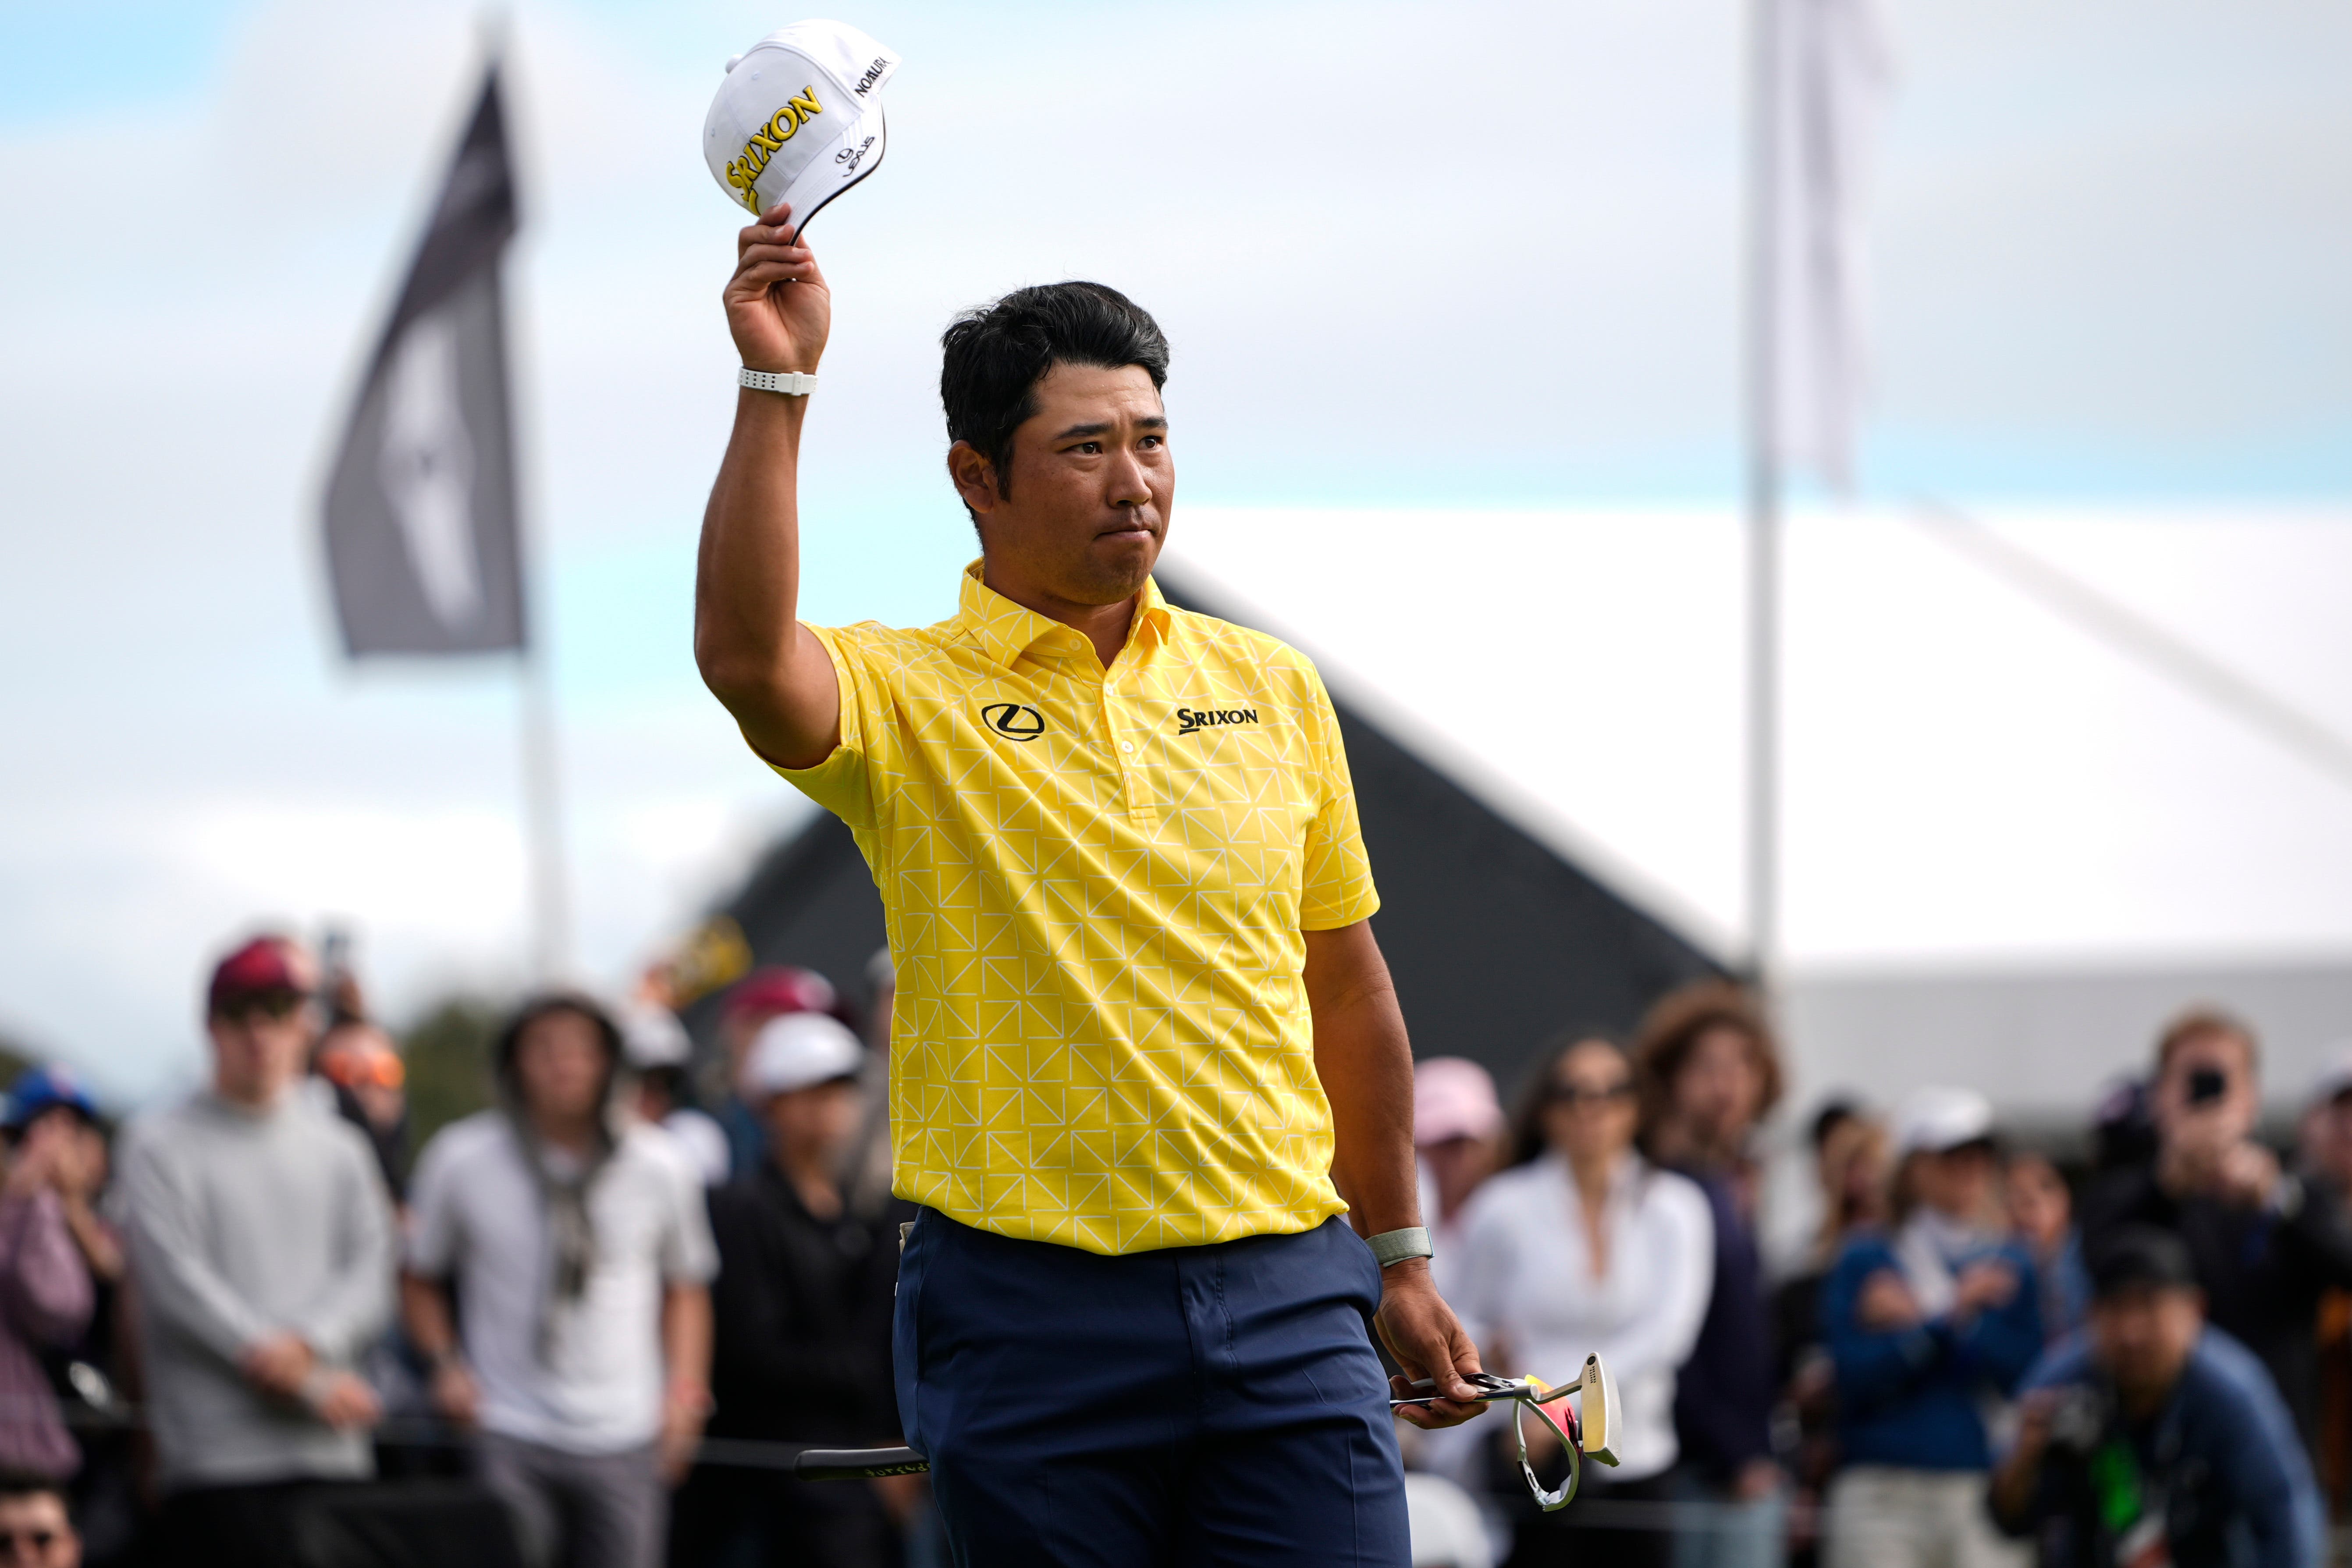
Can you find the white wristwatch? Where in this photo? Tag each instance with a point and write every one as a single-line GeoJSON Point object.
{"type": "Point", "coordinates": [791, 383]}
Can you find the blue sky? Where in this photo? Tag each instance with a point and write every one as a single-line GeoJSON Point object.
{"type": "Point", "coordinates": [1471, 256]}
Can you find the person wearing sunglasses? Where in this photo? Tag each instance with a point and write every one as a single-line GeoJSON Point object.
{"type": "Point", "coordinates": [261, 1242]}
{"type": "Point", "coordinates": [37, 1529]}
{"type": "Point", "coordinates": [1585, 1246]}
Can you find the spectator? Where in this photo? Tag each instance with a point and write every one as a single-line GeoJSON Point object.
{"type": "Point", "coordinates": [261, 1245]}
{"type": "Point", "coordinates": [578, 1252]}
{"type": "Point", "coordinates": [36, 1528]}
{"type": "Point", "coordinates": [656, 1048]}
{"type": "Point", "coordinates": [871, 1175]}
{"type": "Point", "coordinates": [44, 1286]}
{"type": "Point", "coordinates": [802, 1314]}
{"type": "Point", "coordinates": [1584, 1246]}
{"type": "Point", "coordinates": [1849, 1165]}
{"type": "Point", "coordinates": [1708, 1070]}
{"type": "Point", "coordinates": [361, 1068]}
{"type": "Point", "coordinates": [2156, 1439]}
{"type": "Point", "coordinates": [1455, 1121]}
{"type": "Point", "coordinates": [763, 995]}
{"type": "Point", "coordinates": [2041, 1213]}
{"type": "Point", "coordinates": [2325, 1155]}
{"type": "Point", "coordinates": [2266, 1245]}
{"type": "Point", "coordinates": [1923, 1326]}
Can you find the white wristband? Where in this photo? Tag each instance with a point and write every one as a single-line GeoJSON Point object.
{"type": "Point", "coordinates": [1393, 1247]}
{"type": "Point", "coordinates": [791, 383]}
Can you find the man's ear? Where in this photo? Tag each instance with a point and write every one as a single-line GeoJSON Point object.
{"type": "Point", "coordinates": [974, 478]}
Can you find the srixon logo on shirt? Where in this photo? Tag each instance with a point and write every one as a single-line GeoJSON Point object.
{"type": "Point", "coordinates": [1189, 720]}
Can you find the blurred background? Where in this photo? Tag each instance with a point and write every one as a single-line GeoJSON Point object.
{"type": "Point", "coordinates": [1455, 294]}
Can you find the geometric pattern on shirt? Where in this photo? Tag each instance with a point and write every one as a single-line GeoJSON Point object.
{"type": "Point", "coordinates": [1095, 884]}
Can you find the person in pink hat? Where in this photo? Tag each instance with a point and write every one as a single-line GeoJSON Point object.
{"type": "Point", "coordinates": [1455, 1120]}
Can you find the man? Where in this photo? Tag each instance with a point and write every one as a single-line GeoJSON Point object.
{"type": "Point", "coordinates": [1143, 1041]}
{"type": "Point", "coordinates": [578, 1248]}
{"type": "Point", "coordinates": [802, 1313]}
{"type": "Point", "coordinates": [2156, 1439]}
{"type": "Point", "coordinates": [763, 995]}
{"type": "Point", "coordinates": [1708, 1072]}
{"type": "Point", "coordinates": [262, 1248]}
{"type": "Point", "coordinates": [36, 1527]}
{"type": "Point", "coordinates": [44, 1282]}
{"type": "Point", "coordinates": [659, 1052]}
{"type": "Point", "coordinates": [2266, 1245]}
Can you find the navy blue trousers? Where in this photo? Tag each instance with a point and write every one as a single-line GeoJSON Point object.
{"type": "Point", "coordinates": [1191, 1406]}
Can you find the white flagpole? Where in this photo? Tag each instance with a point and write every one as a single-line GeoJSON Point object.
{"type": "Point", "coordinates": [1763, 349]}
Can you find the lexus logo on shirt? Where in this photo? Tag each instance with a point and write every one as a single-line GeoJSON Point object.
{"type": "Point", "coordinates": [1013, 720]}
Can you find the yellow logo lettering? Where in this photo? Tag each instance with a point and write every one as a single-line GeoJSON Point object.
{"type": "Point", "coordinates": [805, 104]}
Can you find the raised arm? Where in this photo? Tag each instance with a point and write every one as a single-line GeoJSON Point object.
{"type": "Point", "coordinates": [1365, 1064]}
{"type": "Point", "coordinates": [771, 672]}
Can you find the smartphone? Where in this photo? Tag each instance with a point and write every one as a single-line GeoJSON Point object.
{"type": "Point", "coordinates": [2207, 1085]}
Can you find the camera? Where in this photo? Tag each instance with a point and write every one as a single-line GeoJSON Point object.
{"type": "Point", "coordinates": [2207, 1085]}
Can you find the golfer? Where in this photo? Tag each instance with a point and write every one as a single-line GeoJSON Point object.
{"type": "Point", "coordinates": [1146, 1054]}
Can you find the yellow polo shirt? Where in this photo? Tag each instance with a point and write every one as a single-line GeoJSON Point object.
{"type": "Point", "coordinates": [1096, 885]}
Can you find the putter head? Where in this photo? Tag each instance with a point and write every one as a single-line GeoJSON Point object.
{"type": "Point", "coordinates": [1597, 1411]}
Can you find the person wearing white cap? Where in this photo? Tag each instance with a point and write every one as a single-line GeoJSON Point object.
{"type": "Point", "coordinates": [1925, 1327]}
{"type": "Point", "coordinates": [656, 1046]}
{"type": "Point", "coordinates": [1150, 1081]}
{"type": "Point", "coordinates": [802, 1308]}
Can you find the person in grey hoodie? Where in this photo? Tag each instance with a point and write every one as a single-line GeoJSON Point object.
{"type": "Point", "coordinates": [262, 1253]}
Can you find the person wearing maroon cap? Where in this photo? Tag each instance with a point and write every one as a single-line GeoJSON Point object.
{"type": "Point", "coordinates": [763, 995]}
{"type": "Point", "coordinates": [261, 1246]}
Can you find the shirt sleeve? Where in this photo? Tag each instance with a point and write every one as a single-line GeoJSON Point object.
{"type": "Point", "coordinates": [178, 1285]}
{"type": "Point", "coordinates": [1675, 1211]}
{"type": "Point", "coordinates": [688, 1255]}
{"type": "Point", "coordinates": [357, 1303]}
{"type": "Point", "coordinates": [432, 1250]}
{"type": "Point", "coordinates": [844, 782]}
{"type": "Point", "coordinates": [1336, 889]}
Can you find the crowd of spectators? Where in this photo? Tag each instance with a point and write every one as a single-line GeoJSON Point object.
{"type": "Point", "coordinates": [1954, 1373]}
{"type": "Point", "coordinates": [587, 1325]}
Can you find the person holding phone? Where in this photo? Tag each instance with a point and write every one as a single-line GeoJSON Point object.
{"type": "Point", "coordinates": [2265, 1243]}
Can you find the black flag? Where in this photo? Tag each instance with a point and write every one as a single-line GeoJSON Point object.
{"type": "Point", "coordinates": [423, 540]}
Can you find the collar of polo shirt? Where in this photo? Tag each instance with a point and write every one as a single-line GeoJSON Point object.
{"type": "Point", "coordinates": [1005, 631]}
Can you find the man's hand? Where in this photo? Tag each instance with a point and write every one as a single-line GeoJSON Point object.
{"type": "Point", "coordinates": [684, 1407]}
{"type": "Point", "coordinates": [39, 1160]}
{"type": "Point", "coordinates": [1421, 1332]}
{"type": "Point", "coordinates": [2248, 1177]}
{"type": "Point", "coordinates": [778, 307]}
{"type": "Point", "coordinates": [1885, 1303]}
{"type": "Point", "coordinates": [345, 1402]}
{"type": "Point", "coordinates": [1983, 1285]}
{"type": "Point", "coordinates": [280, 1364]}
{"type": "Point", "coordinates": [1757, 1479]}
{"type": "Point", "coordinates": [2014, 1483]}
{"type": "Point", "coordinates": [455, 1393]}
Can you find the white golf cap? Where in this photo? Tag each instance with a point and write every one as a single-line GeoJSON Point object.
{"type": "Point", "coordinates": [799, 118]}
{"type": "Point", "coordinates": [797, 1050]}
{"type": "Point", "coordinates": [651, 1037]}
{"type": "Point", "coordinates": [1931, 1120]}
{"type": "Point", "coordinates": [2336, 1075]}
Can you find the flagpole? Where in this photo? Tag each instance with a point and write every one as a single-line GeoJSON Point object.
{"type": "Point", "coordinates": [1763, 487]}
{"type": "Point", "coordinates": [550, 912]}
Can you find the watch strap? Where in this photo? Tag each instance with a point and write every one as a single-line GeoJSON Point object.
{"type": "Point", "coordinates": [791, 383]}
{"type": "Point", "coordinates": [1396, 1246]}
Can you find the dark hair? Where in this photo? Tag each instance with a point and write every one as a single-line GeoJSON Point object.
{"type": "Point", "coordinates": [995, 356]}
{"type": "Point", "coordinates": [23, 1483]}
{"type": "Point", "coordinates": [1673, 1028]}
{"type": "Point", "coordinates": [1535, 1090]}
{"type": "Point", "coordinates": [1834, 1110]}
{"type": "Point", "coordinates": [547, 1004]}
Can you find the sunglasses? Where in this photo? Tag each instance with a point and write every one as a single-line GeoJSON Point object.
{"type": "Point", "coordinates": [1577, 1094]}
{"type": "Point", "coordinates": [275, 1005]}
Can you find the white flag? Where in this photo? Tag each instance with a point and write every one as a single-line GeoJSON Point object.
{"type": "Point", "coordinates": [1831, 74]}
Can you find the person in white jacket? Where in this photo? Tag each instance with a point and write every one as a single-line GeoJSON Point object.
{"type": "Point", "coordinates": [1583, 1246]}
